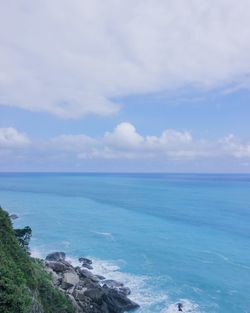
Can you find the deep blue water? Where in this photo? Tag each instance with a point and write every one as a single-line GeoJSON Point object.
{"type": "Point", "coordinates": [170, 237]}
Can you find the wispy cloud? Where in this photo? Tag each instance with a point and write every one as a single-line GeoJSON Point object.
{"type": "Point", "coordinates": [70, 58]}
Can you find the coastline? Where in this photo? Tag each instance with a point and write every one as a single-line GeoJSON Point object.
{"type": "Point", "coordinates": [180, 245]}
{"type": "Point", "coordinates": [89, 292]}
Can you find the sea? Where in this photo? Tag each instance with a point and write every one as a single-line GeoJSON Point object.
{"type": "Point", "coordinates": [169, 237]}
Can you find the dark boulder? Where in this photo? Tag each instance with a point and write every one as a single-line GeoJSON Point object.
{"type": "Point", "coordinates": [112, 283]}
{"type": "Point", "coordinates": [124, 291]}
{"type": "Point", "coordinates": [57, 267]}
{"type": "Point", "coordinates": [56, 256]}
{"type": "Point", "coordinates": [117, 302]}
{"type": "Point", "coordinates": [179, 306]}
{"type": "Point", "coordinates": [95, 294]}
{"type": "Point", "coordinates": [86, 263]}
{"type": "Point", "coordinates": [87, 274]}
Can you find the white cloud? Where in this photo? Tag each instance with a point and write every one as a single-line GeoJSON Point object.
{"type": "Point", "coordinates": [123, 143]}
{"type": "Point", "coordinates": [10, 138]}
{"type": "Point", "coordinates": [171, 137]}
{"type": "Point", "coordinates": [233, 145]}
{"type": "Point", "coordinates": [71, 58]}
{"type": "Point", "coordinates": [124, 136]}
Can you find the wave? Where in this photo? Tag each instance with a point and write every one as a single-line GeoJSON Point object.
{"type": "Point", "coordinates": [225, 259]}
{"type": "Point", "coordinates": [141, 292]}
{"type": "Point", "coordinates": [142, 287]}
{"type": "Point", "coordinates": [105, 234]}
{"type": "Point", "coordinates": [187, 307]}
{"type": "Point", "coordinates": [150, 300]}
{"type": "Point", "coordinates": [36, 253]}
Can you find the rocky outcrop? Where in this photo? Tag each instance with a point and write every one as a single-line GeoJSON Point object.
{"type": "Point", "coordinates": [88, 292]}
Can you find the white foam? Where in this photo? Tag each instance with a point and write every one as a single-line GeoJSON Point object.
{"type": "Point", "coordinates": [139, 285]}
{"type": "Point", "coordinates": [73, 261]}
{"type": "Point", "coordinates": [36, 253]}
{"type": "Point", "coordinates": [104, 234]}
{"type": "Point", "coordinates": [187, 307]}
{"type": "Point", "coordinates": [149, 299]}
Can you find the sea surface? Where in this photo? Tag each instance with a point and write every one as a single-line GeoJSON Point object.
{"type": "Point", "coordinates": [170, 237]}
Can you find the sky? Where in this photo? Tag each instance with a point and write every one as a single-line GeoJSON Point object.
{"type": "Point", "coordinates": [125, 86]}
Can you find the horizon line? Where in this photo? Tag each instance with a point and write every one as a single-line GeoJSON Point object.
{"type": "Point", "coordinates": [116, 172]}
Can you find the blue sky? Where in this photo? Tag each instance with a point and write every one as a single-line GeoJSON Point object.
{"type": "Point", "coordinates": [147, 86]}
{"type": "Point", "coordinates": [211, 114]}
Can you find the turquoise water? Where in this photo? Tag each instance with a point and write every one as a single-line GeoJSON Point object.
{"type": "Point", "coordinates": [169, 237]}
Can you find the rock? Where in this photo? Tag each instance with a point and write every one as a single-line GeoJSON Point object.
{"type": "Point", "coordinates": [85, 260]}
{"type": "Point", "coordinates": [86, 263]}
{"type": "Point", "coordinates": [179, 306]}
{"type": "Point", "coordinates": [95, 294]}
{"type": "Point", "coordinates": [70, 279]}
{"type": "Point", "coordinates": [87, 274]}
{"type": "Point", "coordinates": [88, 306]}
{"type": "Point", "coordinates": [56, 279]}
{"type": "Point", "coordinates": [89, 293]}
{"type": "Point", "coordinates": [56, 256]}
{"type": "Point", "coordinates": [116, 285]}
{"type": "Point", "coordinates": [57, 267]}
{"type": "Point", "coordinates": [100, 277]}
{"type": "Point", "coordinates": [117, 302]}
{"type": "Point", "coordinates": [79, 294]}
{"type": "Point", "coordinates": [88, 266]}
{"type": "Point", "coordinates": [75, 304]}
{"type": "Point", "coordinates": [112, 283]}
{"type": "Point", "coordinates": [124, 290]}
{"type": "Point", "coordinates": [14, 216]}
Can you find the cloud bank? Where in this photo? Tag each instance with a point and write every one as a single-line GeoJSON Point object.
{"type": "Point", "coordinates": [71, 58]}
{"type": "Point", "coordinates": [123, 143]}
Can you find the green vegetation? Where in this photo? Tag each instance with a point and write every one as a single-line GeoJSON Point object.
{"type": "Point", "coordinates": [23, 236]}
{"type": "Point", "coordinates": [24, 284]}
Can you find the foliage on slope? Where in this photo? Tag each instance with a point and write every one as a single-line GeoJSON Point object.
{"type": "Point", "coordinates": [23, 280]}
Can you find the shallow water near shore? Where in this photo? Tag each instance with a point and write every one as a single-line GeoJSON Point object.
{"type": "Point", "coordinates": [170, 238]}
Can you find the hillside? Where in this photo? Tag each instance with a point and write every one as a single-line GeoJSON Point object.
{"type": "Point", "coordinates": [25, 287]}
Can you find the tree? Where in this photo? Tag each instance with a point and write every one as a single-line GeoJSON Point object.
{"type": "Point", "coordinates": [23, 236]}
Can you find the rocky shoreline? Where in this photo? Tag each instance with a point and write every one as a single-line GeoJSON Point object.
{"type": "Point", "coordinates": [88, 292]}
